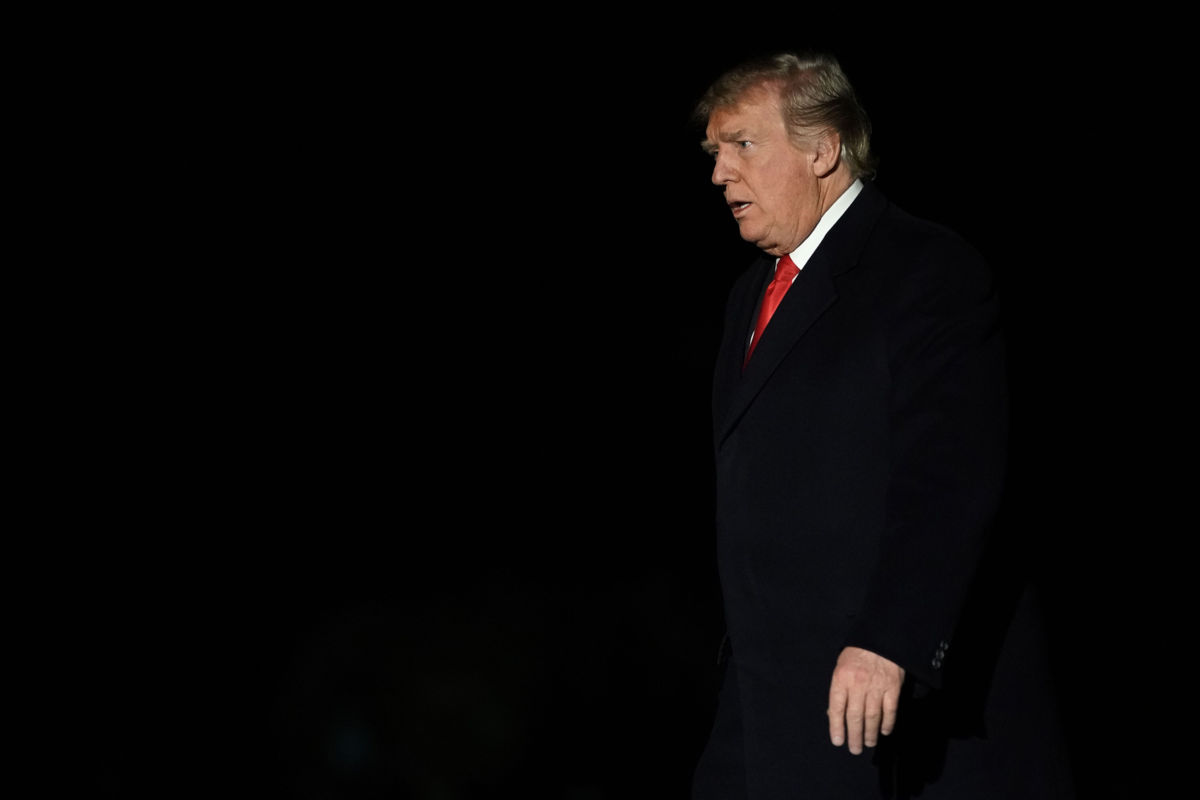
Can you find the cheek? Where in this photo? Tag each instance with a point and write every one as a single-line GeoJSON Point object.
{"type": "Point", "coordinates": [775, 199]}
{"type": "Point", "coordinates": [790, 202]}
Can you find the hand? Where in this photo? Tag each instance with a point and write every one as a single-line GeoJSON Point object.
{"type": "Point", "coordinates": [863, 697]}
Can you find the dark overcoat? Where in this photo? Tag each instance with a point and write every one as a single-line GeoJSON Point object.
{"type": "Point", "coordinates": [860, 466]}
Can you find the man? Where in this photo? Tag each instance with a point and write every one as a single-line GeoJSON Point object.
{"type": "Point", "coordinates": [860, 434]}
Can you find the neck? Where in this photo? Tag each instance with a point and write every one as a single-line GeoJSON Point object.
{"type": "Point", "coordinates": [833, 185]}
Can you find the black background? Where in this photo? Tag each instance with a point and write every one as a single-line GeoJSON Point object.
{"type": "Point", "coordinates": [393, 449]}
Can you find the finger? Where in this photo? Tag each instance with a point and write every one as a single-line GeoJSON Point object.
{"type": "Point", "coordinates": [854, 722]}
{"type": "Point", "coordinates": [837, 712]}
{"type": "Point", "coordinates": [872, 716]}
{"type": "Point", "coordinates": [891, 704]}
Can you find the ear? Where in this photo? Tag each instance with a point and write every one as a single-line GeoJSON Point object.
{"type": "Point", "coordinates": [828, 153]}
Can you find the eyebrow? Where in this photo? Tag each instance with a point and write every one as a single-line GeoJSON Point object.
{"type": "Point", "coordinates": [710, 147]}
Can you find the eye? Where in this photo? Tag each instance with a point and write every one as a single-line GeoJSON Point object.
{"type": "Point", "coordinates": [744, 143]}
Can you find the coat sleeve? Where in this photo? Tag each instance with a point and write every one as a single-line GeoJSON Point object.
{"type": "Point", "coordinates": [947, 451]}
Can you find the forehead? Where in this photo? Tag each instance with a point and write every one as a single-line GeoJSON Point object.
{"type": "Point", "coordinates": [755, 110]}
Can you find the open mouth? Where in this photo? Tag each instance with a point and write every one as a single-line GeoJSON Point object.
{"type": "Point", "coordinates": [737, 208]}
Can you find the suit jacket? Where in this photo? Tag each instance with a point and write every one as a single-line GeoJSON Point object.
{"type": "Point", "coordinates": [860, 458]}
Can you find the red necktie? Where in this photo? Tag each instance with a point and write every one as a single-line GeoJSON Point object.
{"type": "Point", "coordinates": [785, 272]}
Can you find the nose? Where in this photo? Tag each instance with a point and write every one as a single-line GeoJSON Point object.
{"type": "Point", "coordinates": [722, 171]}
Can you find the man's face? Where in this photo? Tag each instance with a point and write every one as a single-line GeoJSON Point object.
{"type": "Point", "coordinates": [770, 184]}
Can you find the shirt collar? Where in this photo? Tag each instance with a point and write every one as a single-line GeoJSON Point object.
{"type": "Point", "coordinates": [832, 214]}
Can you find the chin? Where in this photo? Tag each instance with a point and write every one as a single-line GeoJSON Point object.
{"type": "Point", "coordinates": [765, 246]}
{"type": "Point", "coordinates": [753, 237]}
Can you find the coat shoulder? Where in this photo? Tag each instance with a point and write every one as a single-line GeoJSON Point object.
{"type": "Point", "coordinates": [922, 258]}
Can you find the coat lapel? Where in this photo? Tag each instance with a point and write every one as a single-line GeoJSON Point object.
{"type": "Point", "coordinates": [811, 295]}
{"type": "Point", "coordinates": [741, 310]}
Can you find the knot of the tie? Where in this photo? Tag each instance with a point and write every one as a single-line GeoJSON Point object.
{"type": "Point", "coordinates": [785, 272]}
